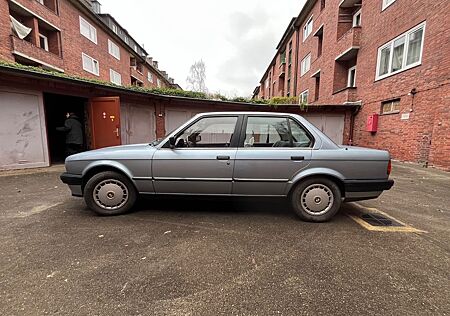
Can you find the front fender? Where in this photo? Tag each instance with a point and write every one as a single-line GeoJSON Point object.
{"type": "Point", "coordinates": [108, 163]}
{"type": "Point", "coordinates": [313, 172]}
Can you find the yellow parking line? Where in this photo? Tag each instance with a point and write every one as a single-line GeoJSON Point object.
{"type": "Point", "coordinates": [403, 229]}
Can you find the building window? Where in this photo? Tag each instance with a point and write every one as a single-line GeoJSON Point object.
{"type": "Point", "coordinates": [90, 64]}
{"type": "Point", "coordinates": [391, 106]}
{"type": "Point", "coordinates": [114, 28]}
{"type": "Point", "coordinates": [150, 77]}
{"type": "Point", "coordinates": [158, 83]}
{"type": "Point", "coordinates": [307, 29]}
{"type": "Point", "coordinates": [306, 65]}
{"type": "Point", "coordinates": [283, 58]}
{"type": "Point", "coordinates": [43, 42]}
{"type": "Point", "coordinates": [387, 3]}
{"type": "Point", "coordinates": [322, 5]}
{"type": "Point", "coordinates": [357, 18]}
{"type": "Point", "coordinates": [115, 77]}
{"type": "Point", "coordinates": [351, 81]}
{"type": "Point", "coordinates": [303, 98]}
{"type": "Point", "coordinates": [267, 83]}
{"type": "Point", "coordinates": [402, 53]}
{"type": "Point", "coordinates": [125, 38]}
{"type": "Point", "coordinates": [87, 30]}
{"type": "Point", "coordinates": [113, 49]}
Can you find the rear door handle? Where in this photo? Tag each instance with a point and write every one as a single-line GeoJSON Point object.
{"type": "Point", "coordinates": [297, 158]}
{"type": "Point", "coordinates": [223, 157]}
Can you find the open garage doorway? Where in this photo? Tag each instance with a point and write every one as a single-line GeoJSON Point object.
{"type": "Point", "coordinates": [56, 106]}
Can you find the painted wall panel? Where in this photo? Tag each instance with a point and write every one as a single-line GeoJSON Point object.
{"type": "Point", "coordinates": [23, 139]}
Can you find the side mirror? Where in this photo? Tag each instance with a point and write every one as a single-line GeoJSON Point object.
{"type": "Point", "coordinates": [172, 142]}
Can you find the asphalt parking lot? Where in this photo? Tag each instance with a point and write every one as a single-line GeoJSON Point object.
{"type": "Point", "coordinates": [220, 257]}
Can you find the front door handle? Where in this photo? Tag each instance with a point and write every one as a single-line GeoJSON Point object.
{"type": "Point", "coordinates": [223, 157]}
{"type": "Point", "coordinates": [297, 158]}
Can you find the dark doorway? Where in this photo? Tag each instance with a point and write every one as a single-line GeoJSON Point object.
{"type": "Point", "coordinates": [56, 106]}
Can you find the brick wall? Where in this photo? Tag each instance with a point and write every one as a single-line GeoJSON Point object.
{"type": "Point", "coordinates": [425, 136]}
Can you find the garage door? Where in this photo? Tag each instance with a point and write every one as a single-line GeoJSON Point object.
{"type": "Point", "coordinates": [176, 117]}
{"type": "Point", "coordinates": [23, 136]}
{"type": "Point", "coordinates": [331, 124]}
{"type": "Point", "coordinates": [137, 124]}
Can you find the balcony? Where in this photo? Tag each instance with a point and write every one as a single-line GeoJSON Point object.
{"type": "Point", "coordinates": [345, 95]}
{"type": "Point", "coordinates": [47, 11]}
{"type": "Point", "coordinates": [137, 75]}
{"type": "Point", "coordinates": [35, 55]}
{"type": "Point", "coordinates": [348, 44]}
{"type": "Point", "coordinates": [282, 69]}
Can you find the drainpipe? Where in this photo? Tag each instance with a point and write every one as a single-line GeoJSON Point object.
{"type": "Point", "coordinates": [352, 123]}
{"type": "Point", "coordinates": [296, 60]}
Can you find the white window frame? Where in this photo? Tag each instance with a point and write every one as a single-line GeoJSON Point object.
{"type": "Point", "coordinates": [302, 96]}
{"type": "Point", "coordinates": [92, 33]}
{"type": "Point", "coordinates": [114, 28]}
{"type": "Point", "coordinates": [93, 61]}
{"type": "Point", "coordinates": [390, 44]}
{"type": "Point", "coordinates": [355, 16]}
{"type": "Point", "coordinates": [386, 3]}
{"type": "Point", "coordinates": [41, 1]}
{"type": "Point", "coordinates": [45, 42]}
{"type": "Point", "coordinates": [351, 84]}
{"type": "Point", "coordinates": [150, 77]}
{"type": "Point", "coordinates": [303, 69]}
{"type": "Point", "coordinates": [391, 102]}
{"type": "Point", "coordinates": [113, 75]}
{"type": "Point", "coordinates": [158, 82]}
{"type": "Point", "coordinates": [307, 28]}
{"type": "Point", "coordinates": [111, 47]}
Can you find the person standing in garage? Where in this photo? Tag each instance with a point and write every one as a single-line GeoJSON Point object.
{"type": "Point", "coordinates": [74, 134]}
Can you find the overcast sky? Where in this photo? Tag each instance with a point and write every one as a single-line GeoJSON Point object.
{"type": "Point", "coordinates": [235, 38]}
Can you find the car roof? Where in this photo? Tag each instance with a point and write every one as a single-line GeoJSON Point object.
{"type": "Point", "coordinates": [246, 113]}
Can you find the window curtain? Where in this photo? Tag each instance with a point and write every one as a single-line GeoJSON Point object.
{"type": "Point", "coordinates": [20, 30]}
{"type": "Point", "coordinates": [415, 42]}
{"type": "Point", "coordinates": [397, 56]}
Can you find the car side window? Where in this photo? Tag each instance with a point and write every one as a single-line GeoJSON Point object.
{"type": "Point", "coordinates": [267, 132]}
{"type": "Point", "coordinates": [208, 132]}
{"type": "Point", "coordinates": [300, 137]}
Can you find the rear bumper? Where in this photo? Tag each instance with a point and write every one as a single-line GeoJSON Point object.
{"type": "Point", "coordinates": [74, 181]}
{"type": "Point", "coordinates": [367, 185]}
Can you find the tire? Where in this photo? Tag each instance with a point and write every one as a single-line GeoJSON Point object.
{"type": "Point", "coordinates": [316, 199]}
{"type": "Point", "coordinates": [109, 193]}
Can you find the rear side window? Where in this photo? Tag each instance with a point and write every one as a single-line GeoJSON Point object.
{"type": "Point", "coordinates": [275, 132]}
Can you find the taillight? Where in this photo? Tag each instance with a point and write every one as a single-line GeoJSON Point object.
{"type": "Point", "coordinates": [389, 167]}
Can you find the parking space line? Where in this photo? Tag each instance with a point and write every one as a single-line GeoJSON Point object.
{"type": "Point", "coordinates": [371, 210]}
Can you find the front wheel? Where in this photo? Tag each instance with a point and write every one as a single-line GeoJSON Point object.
{"type": "Point", "coordinates": [316, 199]}
{"type": "Point", "coordinates": [109, 193]}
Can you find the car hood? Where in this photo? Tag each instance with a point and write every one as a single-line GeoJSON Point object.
{"type": "Point", "coordinates": [134, 151]}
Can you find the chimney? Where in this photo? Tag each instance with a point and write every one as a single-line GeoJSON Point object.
{"type": "Point", "coordinates": [150, 60]}
{"type": "Point", "coordinates": [164, 73]}
{"type": "Point", "coordinates": [155, 64]}
{"type": "Point", "coordinates": [96, 6]}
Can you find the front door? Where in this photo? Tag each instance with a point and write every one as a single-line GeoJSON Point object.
{"type": "Point", "coordinates": [105, 121]}
{"type": "Point", "coordinates": [202, 160]}
{"type": "Point", "coordinates": [273, 151]}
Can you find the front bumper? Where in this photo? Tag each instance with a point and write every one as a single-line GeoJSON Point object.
{"type": "Point", "coordinates": [367, 185]}
{"type": "Point", "coordinates": [74, 181]}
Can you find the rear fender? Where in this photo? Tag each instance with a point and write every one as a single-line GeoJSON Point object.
{"type": "Point", "coordinates": [314, 172]}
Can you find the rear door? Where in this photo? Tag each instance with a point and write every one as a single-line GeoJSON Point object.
{"type": "Point", "coordinates": [272, 151]}
{"type": "Point", "coordinates": [105, 121]}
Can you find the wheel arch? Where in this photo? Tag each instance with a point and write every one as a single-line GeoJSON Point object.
{"type": "Point", "coordinates": [101, 166]}
{"type": "Point", "coordinates": [330, 174]}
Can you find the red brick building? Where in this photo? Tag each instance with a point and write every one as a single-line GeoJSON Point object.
{"type": "Point", "coordinates": [390, 58]}
{"type": "Point", "coordinates": [73, 37]}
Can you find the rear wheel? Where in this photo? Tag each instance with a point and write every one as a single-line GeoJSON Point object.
{"type": "Point", "coordinates": [316, 199]}
{"type": "Point", "coordinates": [109, 193]}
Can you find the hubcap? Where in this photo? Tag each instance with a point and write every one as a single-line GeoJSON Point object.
{"type": "Point", "coordinates": [110, 194]}
{"type": "Point", "coordinates": [317, 199]}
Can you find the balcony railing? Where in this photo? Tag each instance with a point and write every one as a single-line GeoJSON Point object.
{"type": "Point", "coordinates": [36, 54]}
{"type": "Point", "coordinates": [348, 44]}
{"type": "Point", "coordinates": [282, 70]}
{"type": "Point", "coordinates": [136, 74]}
{"type": "Point", "coordinates": [345, 95]}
